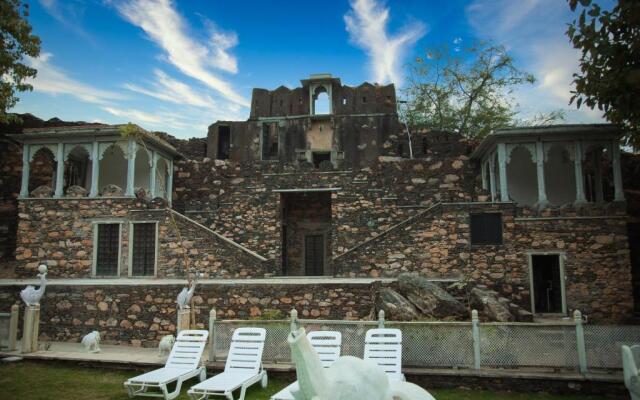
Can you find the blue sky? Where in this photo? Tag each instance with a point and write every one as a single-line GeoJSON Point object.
{"type": "Point", "coordinates": [178, 66]}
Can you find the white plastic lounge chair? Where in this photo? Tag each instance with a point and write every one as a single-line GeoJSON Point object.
{"type": "Point", "coordinates": [630, 366]}
{"type": "Point", "coordinates": [242, 369]}
{"type": "Point", "coordinates": [182, 364]}
{"type": "Point", "coordinates": [327, 344]}
{"type": "Point", "coordinates": [384, 347]}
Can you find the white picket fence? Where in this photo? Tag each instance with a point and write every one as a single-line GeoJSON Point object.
{"type": "Point", "coordinates": [474, 345]}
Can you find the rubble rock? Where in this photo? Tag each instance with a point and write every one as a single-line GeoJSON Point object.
{"type": "Point", "coordinates": [395, 306]}
{"type": "Point", "coordinates": [488, 304]}
{"type": "Point", "coordinates": [430, 298]}
{"type": "Point", "coordinates": [76, 191]}
{"type": "Point", "coordinates": [42, 191]}
{"type": "Point", "coordinates": [112, 190]}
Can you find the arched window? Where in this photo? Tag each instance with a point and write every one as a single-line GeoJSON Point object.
{"type": "Point", "coordinates": [522, 178]}
{"type": "Point", "coordinates": [142, 177]}
{"type": "Point", "coordinates": [598, 174]}
{"type": "Point", "coordinates": [321, 101]}
{"type": "Point", "coordinates": [42, 169]}
{"type": "Point", "coordinates": [162, 171]}
{"type": "Point", "coordinates": [559, 175]}
{"type": "Point", "coordinates": [77, 168]}
{"type": "Point", "coordinates": [113, 168]}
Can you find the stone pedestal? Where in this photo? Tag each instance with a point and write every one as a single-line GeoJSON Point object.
{"type": "Point", "coordinates": [31, 328]}
{"type": "Point", "coordinates": [13, 327]}
{"type": "Point", "coordinates": [184, 319]}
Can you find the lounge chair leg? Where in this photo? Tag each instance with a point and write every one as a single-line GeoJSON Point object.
{"type": "Point", "coordinates": [243, 391]}
{"type": "Point", "coordinates": [265, 380]}
{"type": "Point", "coordinates": [203, 374]}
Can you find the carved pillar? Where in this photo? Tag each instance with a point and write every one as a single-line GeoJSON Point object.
{"type": "Point", "coordinates": [502, 167]}
{"type": "Point", "coordinates": [24, 189]}
{"type": "Point", "coordinates": [152, 178]}
{"type": "Point", "coordinates": [131, 166]}
{"type": "Point", "coordinates": [59, 170]}
{"type": "Point", "coordinates": [95, 169]}
{"type": "Point", "coordinates": [483, 172]}
{"type": "Point", "coordinates": [542, 191]}
{"type": "Point", "coordinates": [577, 162]}
{"type": "Point", "coordinates": [617, 172]}
{"type": "Point", "coordinates": [492, 177]}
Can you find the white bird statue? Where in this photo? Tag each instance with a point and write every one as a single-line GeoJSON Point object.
{"type": "Point", "coordinates": [184, 297]}
{"type": "Point", "coordinates": [30, 295]}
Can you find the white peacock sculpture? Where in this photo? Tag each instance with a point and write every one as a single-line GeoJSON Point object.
{"type": "Point", "coordinates": [184, 297]}
{"type": "Point", "coordinates": [30, 295]}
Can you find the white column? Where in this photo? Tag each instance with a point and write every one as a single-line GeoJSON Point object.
{"type": "Point", "coordinates": [492, 177]}
{"type": "Point", "coordinates": [59, 171]}
{"type": "Point", "coordinates": [170, 183]}
{"type": "Point", "coordinates": [502, 167]}
{"type": "Point", "coordinates": [617, 172]}
{"type": "Point", "coordinates": [542, 191]}
{"type": "Point", "coordinates": [24, 189]}
{"type": "Point", "coordinates": [131, 167]}
{"type": "Point", "coordinates": [95, 169]}
{"type": "Point", "coordinates": [152, 182]}
{"type": "Point", "coordinates": [577, 161]}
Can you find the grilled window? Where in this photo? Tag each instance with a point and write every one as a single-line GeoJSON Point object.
{"type": "Point", "coordinates": [486, 229]}
{"type": "Point", "coordinates": [107, 249]}
{"type": "Point", "coordinates": [314, 254]}
{"type": "Point", "coordinates": [143, 252]}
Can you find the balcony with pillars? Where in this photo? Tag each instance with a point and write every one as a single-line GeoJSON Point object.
{"type": "Point", "coordinates": [95, 161]}
{"type": "Point", "coordinates": [552, 165]}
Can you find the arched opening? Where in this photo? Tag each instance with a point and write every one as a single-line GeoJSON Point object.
{"type": "Point", "coordinates": [559, 176]}
{"type": "Point", "coordinates": [598, 175]}
{"type": "Point", "coordinates": [42, 170]}
{"type": "Point", "coordinates": [142, 177]}
{"type": "Point", "coordinates": [113, 168]}
{"type": "Point", "coordinates": [522, 180]}
{"type": "Point", "coordinates": [77, 169]}
{"type": "Point", "coordinates": [162, 175]}
{"type": "Point", "coordinates": [321, 101]}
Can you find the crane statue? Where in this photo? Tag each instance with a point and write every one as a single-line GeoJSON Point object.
{"type": "Point", "coordinates": [349, 378]}
{"type": "Point", "coordinates": [30, 295]}
{"type": "Point", "coordinates": [184, 297]}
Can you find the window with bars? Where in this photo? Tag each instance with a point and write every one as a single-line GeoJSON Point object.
{"type": "Point", "coordinates": [486, 229]}
{"type": "Point", "coordinates": [314, 255]}
{"type": "Point", "coordinates": [107, 249]}
{"type": "Point", "coordinates": [143, 249]}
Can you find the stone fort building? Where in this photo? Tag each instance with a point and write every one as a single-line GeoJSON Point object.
{"type": "Point", "coordinates": [324, 183]}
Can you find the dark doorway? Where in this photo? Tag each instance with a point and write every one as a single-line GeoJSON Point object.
{"type": "Point", "coordinates": [314, 255]}
{"type": "Point", "coordinates": [319, 157]}
{"type": "Point", "coordinates": [546, 276]}
{"type": "Point", "coordinates": [224, 142]}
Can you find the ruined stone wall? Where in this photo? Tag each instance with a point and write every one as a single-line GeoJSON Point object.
{"type": "Point", "coordinates": [437, 244]}
{"type": "Point", "coordinates": [142, 314]}
{"type": "Point", "coordinates": [59, 232]}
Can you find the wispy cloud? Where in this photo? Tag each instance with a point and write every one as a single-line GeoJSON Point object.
{"type": "Point", "coordinates": [168, 89]}
{"type": "Point", "coordinates": [533, 30]}
{"type": "Point", "coordinates": [367, 24]}
{"type": "Point", "coordinates": [69, 14]}
{"type": "Point", "coordinates": [53, 80]}
{"type": "Point", "coordinates": [166, 27]}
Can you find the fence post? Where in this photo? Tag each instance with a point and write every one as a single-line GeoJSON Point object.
{"type": "Point", "coordinates": [212, 335]}
{"type": "Point", "coordinates": [475, 334]}
{"type": "Point", "coordinates": [381, 319]}
{"type": "Point", "coordinates": [294, 320]}
{"type": "Point", "coordinates": [13, 327]}
{"type": "Point", "coordinates": [184, 315]}
{"type": "Point", "coordinates": [30, 329]}
{"type": "Point", "coordinates": [582, 350]}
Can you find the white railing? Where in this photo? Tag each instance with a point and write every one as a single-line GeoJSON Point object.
{"type": "Point", "coordinates": [9, 329]}
{"type": "Point", "coordinates": [472, 345]}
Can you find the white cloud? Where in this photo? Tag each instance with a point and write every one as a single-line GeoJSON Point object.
{"type": "Point", "coordinates": [164, 26]}
{"type": "Point", "coordinates": [171, 90]}
{"type": "Point", "coordinates": [367, 23]}
{"type": "Point", "coordinates": [53, 80]}
{"type": "Point", "coordinates": [534, 31]}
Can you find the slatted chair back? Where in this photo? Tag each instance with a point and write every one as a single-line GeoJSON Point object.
{"type": "Point", "coordinates": [384, 347]}
{"type": "Point", "coordinates": [327, 344]}
{"type": "Point", "coordinates": [187, 349]}
{"type": "Point", "coordinates": [245, 353]}
{"type": "Point", "coordinates": [631, 366]}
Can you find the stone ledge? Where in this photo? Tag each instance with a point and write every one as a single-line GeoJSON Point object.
{"type": "Point", "coordinates": [203, 282]}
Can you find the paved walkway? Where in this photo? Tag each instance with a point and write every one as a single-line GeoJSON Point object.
{"type": "Point", "coordinates": [148, 358]}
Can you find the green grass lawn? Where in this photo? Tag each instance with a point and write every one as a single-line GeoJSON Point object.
{"type": "Point", "coordinates": [35, 381]}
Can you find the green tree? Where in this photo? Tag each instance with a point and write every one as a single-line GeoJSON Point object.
{"type": "Point", "coordinates": [609, 76]}
{"type": "Point", "coordinates": [17, 42]}
{"type": "Point", "coordinates": [469, 93]}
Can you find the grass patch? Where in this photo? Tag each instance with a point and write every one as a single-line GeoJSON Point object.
{"type": "Point", "coordinates": [37, 381]}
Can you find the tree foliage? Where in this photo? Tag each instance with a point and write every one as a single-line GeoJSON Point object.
{"type": "Point", "coordinates": [17, 42]}
{"type": "Point", "coordinates": [609, 76]}
{"type": "Point", "coordinates": [469, 93]}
